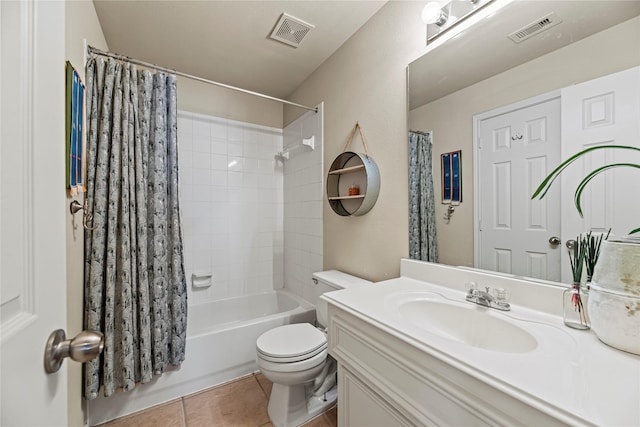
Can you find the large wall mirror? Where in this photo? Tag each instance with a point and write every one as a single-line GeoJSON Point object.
{"type": "Point", "coordinates": [484, 94]}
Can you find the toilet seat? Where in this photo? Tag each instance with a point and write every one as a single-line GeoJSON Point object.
{"type": "Point", "coordinates": [291, 343]}
{"type": "Point", "coordinates": [293, 367]}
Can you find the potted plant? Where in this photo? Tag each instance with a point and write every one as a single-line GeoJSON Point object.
{"type": "Point", "coordinates": [614, 297]}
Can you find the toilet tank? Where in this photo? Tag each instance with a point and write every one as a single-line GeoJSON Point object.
{"type": "Point", "coordinates": [332, 280]}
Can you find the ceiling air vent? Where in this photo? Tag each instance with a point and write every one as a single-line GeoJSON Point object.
{"type": "Point", "coordinates": [536, 27]}
{"type": "Point", "coordinates": [290, 30]}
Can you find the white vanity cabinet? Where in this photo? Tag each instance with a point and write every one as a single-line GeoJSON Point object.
{"type": "Point", "coordinates": [413, 351]}
{"type": "Point", "coordinates": [384, 381]}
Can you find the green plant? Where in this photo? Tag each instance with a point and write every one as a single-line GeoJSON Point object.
{"type": "Point", "coordinates": [577, 199]}
{"type": "Point", "coordinates": [577, 256]}
{"type": "Point", "coordinates": [592, 253]}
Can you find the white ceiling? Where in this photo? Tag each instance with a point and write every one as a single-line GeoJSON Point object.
{"type": "Point", "coordinates": [227, 41]}
{"type": "Point", "coordinates": [485, 50]}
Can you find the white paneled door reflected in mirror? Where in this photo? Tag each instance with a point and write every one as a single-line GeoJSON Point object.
{"type": "Point", "coordinates": [473, 92]}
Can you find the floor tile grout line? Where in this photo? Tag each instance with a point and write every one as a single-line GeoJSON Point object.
{"type": "Point", "coordinates": [261, 387]}
{"type": "Point", "coordinates": [184, 411]}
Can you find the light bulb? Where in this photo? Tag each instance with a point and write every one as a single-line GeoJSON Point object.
{"type": "Point", "coordinates": [431, 12]}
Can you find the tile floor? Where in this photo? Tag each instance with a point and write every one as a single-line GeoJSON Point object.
{"type": "Point", "coordinates": [240, 403]}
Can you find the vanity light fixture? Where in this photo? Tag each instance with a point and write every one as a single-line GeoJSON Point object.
{"type": "Point", "coordinates": [441, 18]}
{"type": "Point", "coordinates": [433, 14]}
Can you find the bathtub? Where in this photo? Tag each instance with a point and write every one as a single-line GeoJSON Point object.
{"type": "Point", "coordinates": [221, 340]}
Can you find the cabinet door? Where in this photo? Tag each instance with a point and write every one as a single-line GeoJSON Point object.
{"type": "Point", "coordinates": [358, 405]}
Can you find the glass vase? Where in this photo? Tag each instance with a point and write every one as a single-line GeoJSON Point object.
{"type": "Point", "coordinates": [574, 304]}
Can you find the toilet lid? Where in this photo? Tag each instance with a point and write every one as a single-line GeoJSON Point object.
{"type": "Point", "coordinates": [291, 341]}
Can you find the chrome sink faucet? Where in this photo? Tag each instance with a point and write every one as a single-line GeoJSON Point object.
{"type": "Point", "coordinates": [497, 298]}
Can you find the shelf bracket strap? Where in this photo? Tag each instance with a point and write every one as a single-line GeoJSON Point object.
{"type": "Point", "coordinates": [353, 132]}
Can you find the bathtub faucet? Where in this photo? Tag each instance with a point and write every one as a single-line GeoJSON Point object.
{"type": "Point", "coordinates": [496, 298]}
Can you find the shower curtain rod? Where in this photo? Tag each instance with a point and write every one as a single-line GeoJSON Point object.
{"type": "Point", "coordinates": [93, 50]}
{"type": "Point", "coordinates": [419, 132]}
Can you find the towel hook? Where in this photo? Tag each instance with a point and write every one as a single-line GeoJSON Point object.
{"type": "Point", "coordinates": [87, 218]}
{"type": "Point", "coordinates": [449, 213]}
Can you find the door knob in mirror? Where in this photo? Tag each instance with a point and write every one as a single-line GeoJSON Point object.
{"type": "Point", "coordinates": [554, 240]}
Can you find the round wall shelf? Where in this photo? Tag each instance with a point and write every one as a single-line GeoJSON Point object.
{"type": "Point", "coordinates": [351, 169]}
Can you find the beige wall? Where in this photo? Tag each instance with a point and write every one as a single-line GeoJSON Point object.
{"type": "Point", "coordinates": [365, 82]}
{"type": "Point", "coordinates": [203, 98]}
{"type": "Point", "coordinates": [450, 118]}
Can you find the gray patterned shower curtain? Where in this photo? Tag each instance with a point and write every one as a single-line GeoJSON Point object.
{"type": "Point", "coordinates": [422, 210]}
{"type": "Point", "coordinates": [135, 287]}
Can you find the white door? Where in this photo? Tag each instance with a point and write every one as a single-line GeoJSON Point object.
{"type": "Point", "coordinates": [517, 146]}
{"type": "Point", "coordinates": [32, 209]}
{"type": "Point", "coordinates": [601, 111]}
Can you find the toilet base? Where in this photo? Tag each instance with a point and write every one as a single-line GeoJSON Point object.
{"type": "Point", "coordinates": [291, 406]}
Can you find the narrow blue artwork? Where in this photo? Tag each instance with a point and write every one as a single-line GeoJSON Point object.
{"type": "Point", "coordinates": [446, 178]}
{"type": "Point", "coordinates": [456, 193]}
{"type": "Point", "coordinates": [74, 132]}
{"type": "Point", "coordinates": [451, 164]}
{"type": "Point", "coordinates": [79, 138]}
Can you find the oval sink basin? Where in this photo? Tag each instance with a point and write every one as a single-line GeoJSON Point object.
{"type": "Point", "coordinates": [474, 326]}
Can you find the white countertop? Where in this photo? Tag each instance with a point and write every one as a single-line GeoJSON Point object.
{"type": "Point", "coordinates": [570, 374]}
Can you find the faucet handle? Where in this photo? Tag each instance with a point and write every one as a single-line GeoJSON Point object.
{"type": "Point", "coordinates": [502, 295]}
{"type": "Point", "coordinates": [471, 287]}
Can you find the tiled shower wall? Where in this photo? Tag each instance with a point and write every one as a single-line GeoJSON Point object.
{"type": "Point", "coordinates": [231, 195]}
{"type": "Point", "coordinates": [303, 195]}
{"type": "Point", "coordinates": [251, 220]}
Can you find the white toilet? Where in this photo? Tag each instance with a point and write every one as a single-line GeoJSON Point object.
{"type": "Point", "coordinates": [294, 358]}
